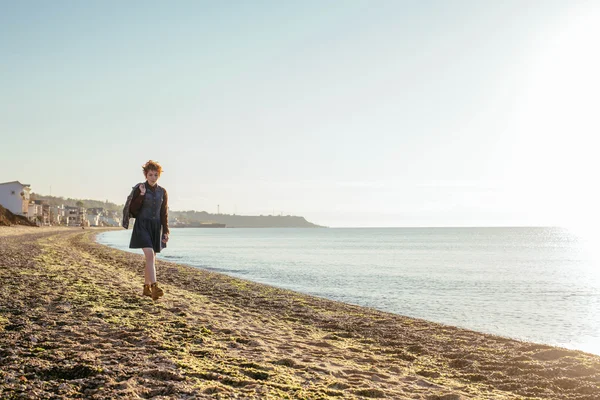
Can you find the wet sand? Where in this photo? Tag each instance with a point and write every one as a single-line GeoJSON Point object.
{"type": "Point", "coordinates": [73, 324]}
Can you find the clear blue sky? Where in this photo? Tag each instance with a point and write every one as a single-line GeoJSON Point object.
{"type": "Point", "coordinates": [350, 113]}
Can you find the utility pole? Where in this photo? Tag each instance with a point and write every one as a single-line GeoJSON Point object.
{"type": "Point", "coordinates": [218, 210]}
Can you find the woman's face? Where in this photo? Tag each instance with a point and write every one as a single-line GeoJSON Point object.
{"type": "Point", "coordinates": [152, 177]}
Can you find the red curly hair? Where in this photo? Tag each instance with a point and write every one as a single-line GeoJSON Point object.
{"type": "Point", "coordinates": [152, 165]}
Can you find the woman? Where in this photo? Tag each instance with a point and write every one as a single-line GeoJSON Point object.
{"type": "Point", "coordinates": [149, 205]}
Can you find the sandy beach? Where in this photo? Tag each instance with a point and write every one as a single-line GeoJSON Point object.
{"type": "Point", "coordinates": [73, 324]}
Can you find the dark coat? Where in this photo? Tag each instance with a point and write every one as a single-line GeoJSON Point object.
{"type": "Point", "coordinates": [126, 213]}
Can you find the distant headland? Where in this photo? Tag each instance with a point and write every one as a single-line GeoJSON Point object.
{"type": "Point", "coordinates": [199, 218]}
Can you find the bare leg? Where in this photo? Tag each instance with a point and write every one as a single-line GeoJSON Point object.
{"type": "Point", "coordinates": [150, 270]}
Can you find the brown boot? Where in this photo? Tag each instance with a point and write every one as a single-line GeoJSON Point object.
{"type": "Point", "coordinates": [156, 291]}
{"type": "Point", "coordinates": [147, 291]}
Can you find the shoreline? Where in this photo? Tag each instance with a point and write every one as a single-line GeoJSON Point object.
{"type": "Point", "coordinates": [74, 324]}
{"type": "Point", "coordinates": [518, 328]}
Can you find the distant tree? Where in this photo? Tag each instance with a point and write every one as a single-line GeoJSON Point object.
{"type": "Point", "coordinates": [79, 203]}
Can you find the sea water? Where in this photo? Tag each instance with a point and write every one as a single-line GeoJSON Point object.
{"type": "Point", "coordinates": [534, 284]}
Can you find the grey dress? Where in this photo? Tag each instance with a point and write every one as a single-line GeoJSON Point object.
{"type": "Point", "coordinates": [147, 230]}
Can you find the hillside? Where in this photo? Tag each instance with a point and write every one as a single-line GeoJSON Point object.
{"type": "Point", "coordinates": [7, 219]}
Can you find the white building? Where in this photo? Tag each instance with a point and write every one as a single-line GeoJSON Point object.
{"type": "Point", "coordinates": [39, 212]}
{"type": "Point", "coordinates": [14, 196]}
{"type": "Point", "coordinates": [35, 213]}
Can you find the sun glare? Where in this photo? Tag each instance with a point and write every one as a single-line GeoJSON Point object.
{"type": "Point", "coordinates": [557, 120]}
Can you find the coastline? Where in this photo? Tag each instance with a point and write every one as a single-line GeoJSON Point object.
{"type": "Point", "coordinates": [74, 324]}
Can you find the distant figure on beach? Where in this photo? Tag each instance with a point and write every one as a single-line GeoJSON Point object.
{"type": "Point", "coordinates": [149, 206]}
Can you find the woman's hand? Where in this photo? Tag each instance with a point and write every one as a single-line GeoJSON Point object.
{"type": "Point", "coordinates": [165, 238]}
{"type": "Point", "coordinates": [142, 187]}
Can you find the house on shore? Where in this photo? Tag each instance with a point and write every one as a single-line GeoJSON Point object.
{"type": "Point", "coordinates": [75, 216]}
{"type": "Point", "coordinates": [57, 215]}
{"type": "Point", "coordinates": [39, 212]}
{"type": "Point", "coordinates": [14, 196]}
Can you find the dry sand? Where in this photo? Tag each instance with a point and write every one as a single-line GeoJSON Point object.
{"type": "Point", "coordinates": [73, 324]}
